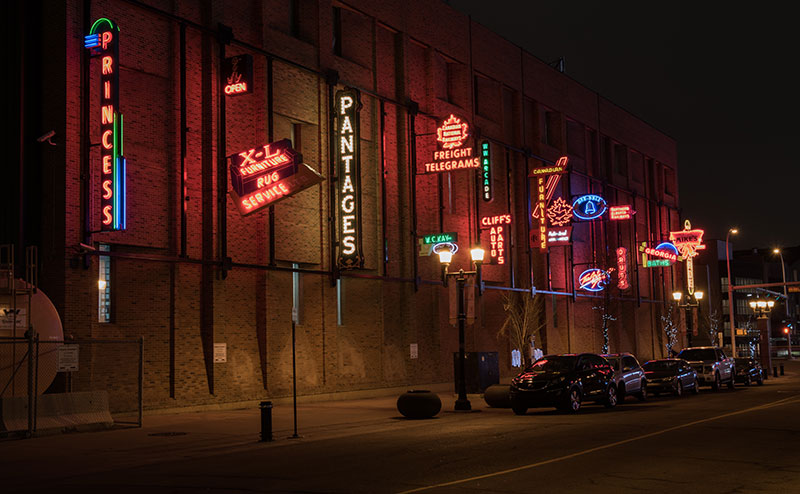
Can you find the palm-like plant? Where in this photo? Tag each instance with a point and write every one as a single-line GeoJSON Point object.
{"type": "Point", "coordinates": [524, 321]}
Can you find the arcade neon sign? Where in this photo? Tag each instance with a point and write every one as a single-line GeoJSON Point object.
{"type": "Point", "coordinates": [452, 135]}
{"type": "Point", "coordinates": [498, 230]}
{"type": "Point", "coordinates": [593, 280]}
{"type": "Point", "coordinates": [486, 171]}
{"type": "Point", "coordinates": [348, 162]}
{"type": "Point", "coordinates": [103, 41]}
{"type": "Point", "coordinates": [589, 207]}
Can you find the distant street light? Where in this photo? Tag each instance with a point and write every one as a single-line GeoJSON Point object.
{"type": "Point", "coordinates": [730, 292]}
{"type": "Point", "coordinates": [785, 299]}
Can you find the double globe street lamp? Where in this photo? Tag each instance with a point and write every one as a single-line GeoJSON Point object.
{"type": "Point", "coordinates": [461, 277]}
{"type": "Point", "coordinates": [692, 301]}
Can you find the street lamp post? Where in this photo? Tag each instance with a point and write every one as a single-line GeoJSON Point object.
{"type": "Point", "coordinates": [785, 301]}
{"type": "Point", "coordinates": [762, 309]}
{"type": "Point", "coordinates": [730, 292]}
{"type": "Point", "coordinates": [691, 302]}
{"type": "Point", "coordinates": [461, 276]}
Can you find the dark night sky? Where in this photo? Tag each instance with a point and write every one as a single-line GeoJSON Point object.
{"type": "Point", "coordinates": [714, 76]}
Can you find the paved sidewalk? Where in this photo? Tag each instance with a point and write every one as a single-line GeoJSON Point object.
{"type": "Point", "coordinates": [172, 434]}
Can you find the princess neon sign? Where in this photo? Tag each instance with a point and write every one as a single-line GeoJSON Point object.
{"type": "Point", "coordinates": [103, 41]}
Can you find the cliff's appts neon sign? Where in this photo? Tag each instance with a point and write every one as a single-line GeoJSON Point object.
{"type": "Point", "coordinates": [348, 106]}
{"type": "Point", "coordinates": [452, 135]}
{"type": "Point", "coordinates": [497, 236]}
{"type": "Point", "coordinates": [103, 41]}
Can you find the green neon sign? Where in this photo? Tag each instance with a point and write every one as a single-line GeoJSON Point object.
{"type": "Point", "coordinates": [438, 238]}
{"type": "Point", "coordinates": [486, 171]}
{"type": "Point", "coordinates": [657, 263]}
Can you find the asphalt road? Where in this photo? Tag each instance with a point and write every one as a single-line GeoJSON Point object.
{"type": "Point", "coordinates": [743, 440]}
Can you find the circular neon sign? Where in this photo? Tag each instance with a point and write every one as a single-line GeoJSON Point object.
{"type": "Point", "coordinates": [589, 207]}
{"type": "Point", "coordinates": [593, 280]}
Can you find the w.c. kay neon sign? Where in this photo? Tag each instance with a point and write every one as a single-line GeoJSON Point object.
{"type": "Point", "coordinates": [103, 41]}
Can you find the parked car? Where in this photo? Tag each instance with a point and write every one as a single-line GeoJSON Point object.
{"type": "Point", "coordinates": [712, 366]}
{"type": "Point", "coordinates": [749, 370]}
{"type": "Point", "coordinates": [564, 381]}
{"type": "Point", "coordinates": [629, 376]}
{"type": "Point", "coordinates": [670, 375]}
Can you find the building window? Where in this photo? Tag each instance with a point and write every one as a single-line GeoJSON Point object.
{"type": "Point", "coordinates": [294, 18]}
{"type": "Point", "coordinates": [297, 137]}
{"type": "Point", "coordinates": [669, 181]}
{"type": "Point", "coordinates": [337, 31]}
{"type": "Point", "coordinates": [455, 88]}
{"type": "Point", "coordinates": [487, 98]}
{"type": "Point", "coordinates": [104, 286]}
{"type": "Point", "coordinates": [297, 295]}
{"type": "Point", "coordinates": [339, 302]}
{"type": "Point", "coordinates": [552, 130]}
{"type": "Point", "coordinates": [621, 160]}
{"type": "Point", "coordinates": [637, 167]}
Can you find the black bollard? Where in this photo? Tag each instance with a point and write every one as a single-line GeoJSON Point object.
{"type": "Point", "coordinates": [781, 369]}
{"type": "Point", "coordinates": [266, 420]}
{"type": "Point", "coordinates": [774, 371]}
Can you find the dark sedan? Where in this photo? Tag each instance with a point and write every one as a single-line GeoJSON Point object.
{"type": "Point", "coordinates": [748, 370]}
{"type": "Point", "coordinates": [565, 382]}
{"type": "Point", "coordinates": [670, 375]}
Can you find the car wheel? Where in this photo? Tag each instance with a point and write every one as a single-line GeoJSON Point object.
{"type": "Point", "coordinates": [518, 407]}
{"type": "Point", "coordinates": [573, 401]}
{"type": "Point", "coordinates": [716, 384]}
{"type": "Point", "coordinates": [695, 387]}
{"type": "Point", "coordinates": [677, 388]}
{"type": "Point", "coordinates": [747, 380]}
{"type": "Point", "coordinates": [760, 381]}
{"type": "Point", "coordinates": [611, 397]}
{"type": "Point", "coordinates": [731, 382]}
{"type": "Point", "coordinates": [642, 396]}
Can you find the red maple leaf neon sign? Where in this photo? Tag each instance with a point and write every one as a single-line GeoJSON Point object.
{"type": "Point", "coordinates": [452, 133]}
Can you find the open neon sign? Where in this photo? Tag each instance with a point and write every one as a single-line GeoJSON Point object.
{"type": "Point", "coordinates": [103, 41]}
{"type": "Point", "coordinates": [238, 74]}
{"type": "Point", "coordinates": [348, 106]}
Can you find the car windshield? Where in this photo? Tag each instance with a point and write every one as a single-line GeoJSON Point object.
{"type": "Point", "coordinates": [659, 365]}
{"type": "Point", "coordinates": [554, 363]}
{"type": "Point", "coordinates": [614, 361]}
{"type": "Point", "coordinates": [698, 354]}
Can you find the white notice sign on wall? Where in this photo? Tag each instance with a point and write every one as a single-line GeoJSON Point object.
{"type": "Point", "coordinates": [220, 353]}
{"type": "Point", "coordinates": [414, 350]}
{"type": "Point", "coordinates": [68, 358]}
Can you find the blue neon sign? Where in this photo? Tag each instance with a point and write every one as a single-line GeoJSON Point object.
{"type": "Point", "coordinates": [593, 280]}
{"type": "Point", "coordinates": [589, 207]}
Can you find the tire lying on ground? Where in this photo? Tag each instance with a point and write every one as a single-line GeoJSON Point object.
{"type": "Point", "coordinates": [496, 396]}
{"type": "Point", "coordinates": [419, 404]}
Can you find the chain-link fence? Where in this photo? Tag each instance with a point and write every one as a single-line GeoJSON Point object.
{"type": "Point", "coordinates": [73, 384]}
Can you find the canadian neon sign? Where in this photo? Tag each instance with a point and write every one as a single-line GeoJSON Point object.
{"type": "Point", "coordinates": [688, 242]}
{"type": "Point", "coordinates": [622, 268]}
{"type": "Point", "coordinates": [238, 74]}
{"type": "Point", "coordinates": [348, 106]}
{"type": "Point", "coordinates": [497, 226]}
{"type": "Point", "coordinates": [589, 207]}
{"type": "Point", "coordinates": [593, 280]}
{"type": "Point", "coordinates": [559, 213]}
{"type": "Point", "coordinates": [452, 135]}
{"type": "Point", "coordinates": [553, 174]}
{"type": "Point", "coordinates": [103, 41]}
{"type": "Point", "coordinates": [486, 171]}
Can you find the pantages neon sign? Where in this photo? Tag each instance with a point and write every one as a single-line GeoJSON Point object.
{"type": "Point", "coordinates": [348, 162]}
{"type": "Point", "coordinates": [103, 41]}
{"type": "Point", "coordinates": [497, 226]}
{"type": "Point", "coordinates": [452, 135]}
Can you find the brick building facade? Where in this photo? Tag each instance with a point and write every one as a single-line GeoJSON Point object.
{"type": "Point", "coordinates": [190, 271]}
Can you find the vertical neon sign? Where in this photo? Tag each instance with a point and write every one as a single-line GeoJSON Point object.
{"type": "Point", "coordinates": [622, 268]}
{"type": "Point", "coordinates": [486, 171]}
{"type": "Point", "coordinates": [348, 137]}
{"type": "Point", "coordinates": [103, 42]}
